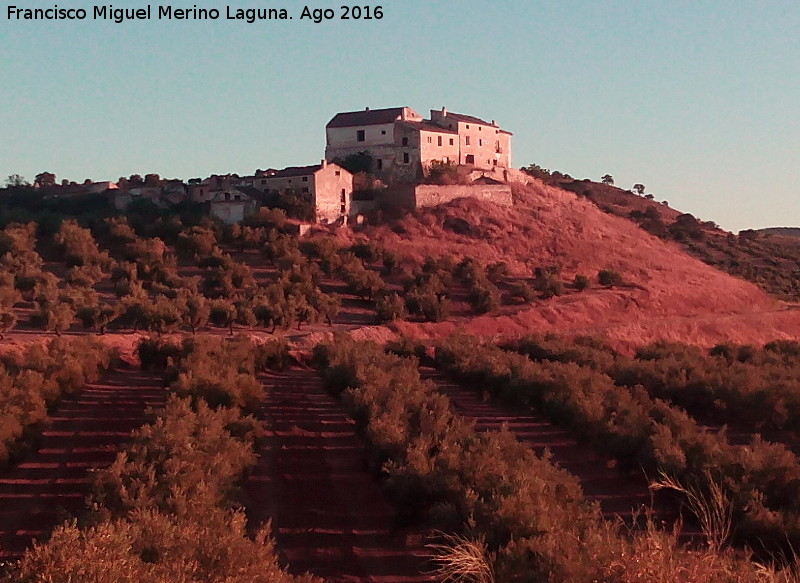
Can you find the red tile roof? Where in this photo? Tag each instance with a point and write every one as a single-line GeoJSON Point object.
{"type": "Point", "coordinates": [293, 171]}
{"type": "Point", "coordinates": [428, 126]}
{"type": "Point", "coordinates": [366, 117]}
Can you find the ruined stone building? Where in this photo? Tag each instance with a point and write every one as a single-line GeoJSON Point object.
{"type": "Point", "coordinates": [328, 186]}
{"type": "Point", "coordinates": [400, 145]}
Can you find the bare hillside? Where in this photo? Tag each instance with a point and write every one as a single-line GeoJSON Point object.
{"type": "Point", "coordinates": [667, 293]}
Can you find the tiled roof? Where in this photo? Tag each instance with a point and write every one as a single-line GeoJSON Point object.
{"type": "Point", "coordinates": [365, 118]}
{"type": "Point", "coordinates": [428, 126]}
{"type": "Point", "coordinates": [293, 171]}
{"type": "Point", "coordinates": [467, 118]}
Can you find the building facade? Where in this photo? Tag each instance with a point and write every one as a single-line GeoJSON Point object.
{"type": "Point", "coordinates": [327, 186]}
{"type": "Point", "coordinates": [400, 146]}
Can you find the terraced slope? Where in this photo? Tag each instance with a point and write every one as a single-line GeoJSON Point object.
{"type": "Point", "coordinates": [619, 493]}
{"type": "Point", "coordinates": [329, 516]}
{"type": "Point", "coordinates": [86, 433]}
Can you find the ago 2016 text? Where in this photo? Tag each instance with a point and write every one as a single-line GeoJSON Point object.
{"type": "Point", "coordinates": [318, 15]}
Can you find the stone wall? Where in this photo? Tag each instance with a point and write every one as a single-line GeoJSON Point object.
{"type": "Point", "coordinates": [431, 195]}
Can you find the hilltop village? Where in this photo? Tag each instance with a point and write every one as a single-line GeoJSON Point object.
{"type": "Point", "coordinates": [374, 159]}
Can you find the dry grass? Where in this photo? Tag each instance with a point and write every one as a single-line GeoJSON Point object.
{"type": "Point", "coordinates": [458, 558]}
{"type": "Point", "coordinates": [711, 506]}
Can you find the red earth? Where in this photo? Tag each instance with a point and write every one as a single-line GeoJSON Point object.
{"type": "Point", "coordinates": [86, 432]}
{"type": "Point", "coordinates": [329, 515]}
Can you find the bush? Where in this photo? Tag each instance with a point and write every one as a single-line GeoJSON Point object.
{"type": "Point", "coordinates": [582, 282]}
{"type": "Point", "coordinates": [609, 278]}
{"type": "Point", "coordinates": [390, 307]}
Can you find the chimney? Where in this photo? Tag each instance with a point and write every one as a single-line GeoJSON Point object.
{"type": "Point", "coordinates": [444, 111]}
{"type": "Point", "coordinates": [324, 163]}
{"type": "Point", "coordinates": [366, 109]}
{"type": "Point", "coordinates": [494, 123]}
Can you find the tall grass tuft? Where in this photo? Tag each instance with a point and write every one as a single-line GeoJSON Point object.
{"type": "Point", "coordinates": [459, 559]}
{"type": "Point", "coordinates": [711, 506]}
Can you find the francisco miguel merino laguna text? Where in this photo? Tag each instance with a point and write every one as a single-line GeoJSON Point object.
{"type": "Point", "coordinates": [168, 12]}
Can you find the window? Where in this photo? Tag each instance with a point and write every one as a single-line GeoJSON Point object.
{"type": "Point", "coordinates": [305, 190]}
{"type": "Point", "coordinates": [430, 140]}
{"type": "Point", "coordinates": [338, 173]}
{"type": "Point", "coordinates": [305, 178]}
{"type": "Point", "coordinates": [383, 132]}
{"type": "Point", "coordinates": [467, 126]}
{"type": "Point", "coordinates": [379, 164]}
{"type": "Point", "coordinates": [480, 142]}
{"type": "Point", "coordinates": [343, 198]}
{"type": "Point", "coordinates": [406, 158]}
{"type": "Point", "coordinates": [263, 182]}
{"type": "Point", "coordinates": [495, 162]}
{"type": "Point", "coordinates": [466, 140]}
{"type": "Point", "coordinates": [451, 141]}
{"type": "Point", "coordinates": [470, 159]}
{"type": "Point", "coordinates": [343, 210]}
{"type": "Point", "coordinates": [440, 141]}
{"type": "Point", "coordinates": [289, 181]}
{"type": "Point", "coordinates": [361, 135]}
{"type": "Point", "coordinates": [405, 141]}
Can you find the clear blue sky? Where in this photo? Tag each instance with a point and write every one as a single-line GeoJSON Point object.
{"type": "Point", "coordinates": [698, 100]}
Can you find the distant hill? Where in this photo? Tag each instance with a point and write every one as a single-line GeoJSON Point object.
{"type": "Point", "coordinates": [782, 231]}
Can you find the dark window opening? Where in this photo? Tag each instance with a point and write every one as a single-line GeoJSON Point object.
{"type": "Point", "coordinates": [379, 164]}
{"type": "Point", "coordinates": [470, 159]}
{"type": "Point", "coordinates": [440, 140]}
{"type": "Point", "coordinates": [305, 178]}
{"type": "Point", "coordinates": [405, 141]}
{"type": "Point", "coordinates": [451, 141]}
{"type": "Point", "coordinates": [466, 141]}
{"type": "Point", "coordinates": [343, 198]}
{"type": "Point", "coordinates": [406, 158]}
{"type": "Point", "coordinates": [361, 135]}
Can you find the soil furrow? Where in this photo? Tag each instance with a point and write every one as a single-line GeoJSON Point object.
{"type": "Point", "coordinates": [329, 516]}
{"type": "Point", "coordinates": [86, 433]}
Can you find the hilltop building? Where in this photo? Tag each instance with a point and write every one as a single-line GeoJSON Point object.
{"type": "Point", "coordinates": [399, 145]}
{"type": "Point", "coordinates": [327, 186]}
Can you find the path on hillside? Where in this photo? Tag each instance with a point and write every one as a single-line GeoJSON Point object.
{"type": "Point", "coordinates": [86, 432]}
{"type": "Point", "coordinates": [617, 492]}
{"type": "Point", "coordinates": [329, 516]}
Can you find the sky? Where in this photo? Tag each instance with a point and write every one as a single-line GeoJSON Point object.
{"type": "Point", "coordinates": [697, 100]}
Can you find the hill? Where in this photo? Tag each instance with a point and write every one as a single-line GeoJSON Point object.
{"type": "Point", "coordinates": [667, 293]}
{"type": "Point", "coordinates": [770, 258]}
